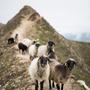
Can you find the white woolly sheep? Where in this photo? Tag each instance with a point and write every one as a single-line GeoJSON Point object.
{"type": "Point", "coordinates": [60, 73]}
{"type": "Point", "coordinates": [43, 49]}
{"type": "Point", "coordinates": [39, 70]}
{"type": "Point", "coordinates": [33, 50]}
{"type": "Point", "coordinates": [24, 44]}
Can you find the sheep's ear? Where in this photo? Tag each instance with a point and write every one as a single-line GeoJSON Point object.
{"type": "Point", "coordinates": [34, 42]}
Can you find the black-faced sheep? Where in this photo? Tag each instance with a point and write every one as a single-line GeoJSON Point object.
{"type": "Point", "coordinates": [60, 73]}
{"type": "Point", "coordinates": [33, 49]}
{"type": "Point", "coordinates": [12, 40]}
{"type": "Point", "coordinates": [39, 71]}
{"type": "Point", "coordinates": [24, 45]}
{"type": "Point", "coordinates": [52, 56]}
{"type": "Point", "coordinates": [43, 49]}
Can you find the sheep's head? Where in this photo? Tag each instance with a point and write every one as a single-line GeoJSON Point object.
{"type": "Point", "coordinates": [11, 40]}
{"type": "Point", "coordinates": [70, 63]}
{"type": "Point", "coordinates": [51, 43]}
{"type": "Point", "coordinates": [43, 61]}
{"type": "Point", "coordinates": [34, 42]}
{"type": "Point", "coordinates": [37, 44]}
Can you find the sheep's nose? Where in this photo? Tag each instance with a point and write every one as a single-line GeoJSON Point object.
{"type": "Point", "coordinates": [43, 65]}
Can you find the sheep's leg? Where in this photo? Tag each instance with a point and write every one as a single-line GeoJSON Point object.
{"type": "Point", "coordinates": [62, 86]}
{"type": "Point", "coordinates": [41, 85]}
{"type": "Point", "coordinates": [19, 50]}
{"type": "Point", "coordinates": [22, 52]}
{"type": "Point", "coordinates": [36, 85]}
{"type": "Point", "coordinates": [50, 87]}
{"type": "Point", "coordinates": [53, 84]}
{"type": "Point", "coordinates": [58, 87]}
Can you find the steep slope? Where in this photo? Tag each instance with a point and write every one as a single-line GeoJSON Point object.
{"type": "Point", "coordinates": [14, 67]}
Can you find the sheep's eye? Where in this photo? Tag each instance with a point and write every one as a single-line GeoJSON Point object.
{"type": "Point", "coordinates": [43, 62]}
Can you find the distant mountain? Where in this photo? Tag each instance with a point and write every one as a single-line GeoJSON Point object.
{"type": "Point", "coordinates": [14, 70]}
{"type": "Point", "coordinates": [84, 37]}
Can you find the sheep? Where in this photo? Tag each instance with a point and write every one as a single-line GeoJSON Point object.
{"type": "Point", "coordinates": [52, 56]}
{"type": "Point", "coordinates": [33, 50]}
{"type": "Point", "coordinates": [43, 49]}
{"type": "Point", "coordinates": [24, 44]}
{"type": "Point", "coordinates": [60, 73]}
{"type": "Point", "coordinates": [12, 40]}
{"type": "Point", "coordinates": [39, 71]}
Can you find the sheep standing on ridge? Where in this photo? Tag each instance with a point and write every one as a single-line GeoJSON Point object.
{"type": "Point", "coordinates": [60, 73]}
{"type": "Point", "coordinates": [33, 50]}
{"type": "Point", "coordinates": [24, 45]}
{"type": "Point", "coordinates": [39, 70]}
{"type": "Point", "coordinates": [43, 49]}
{"type": "Point", "coordinates": [13, 39]}
{"type": "Point", "coordinates": [52, 56]}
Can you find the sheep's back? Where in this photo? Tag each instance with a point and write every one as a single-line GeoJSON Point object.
{"type": "Point", "coordinates": [42, 50]}
{"type": "Point", "coordinates": [26, 42]}
{"type": "Point", "coordinates": [58, 73]}
{"type": "Point", "coordinates": [32, 50]}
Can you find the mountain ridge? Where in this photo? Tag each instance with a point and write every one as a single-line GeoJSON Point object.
{"type": "Point", "coordinates": [43, 31]}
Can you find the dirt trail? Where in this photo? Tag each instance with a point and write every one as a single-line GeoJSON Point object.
{"type": "Point", "coordinates": [23, 29]}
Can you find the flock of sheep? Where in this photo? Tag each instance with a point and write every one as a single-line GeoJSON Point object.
{"type": "Point", "coordinates": [44, 63]}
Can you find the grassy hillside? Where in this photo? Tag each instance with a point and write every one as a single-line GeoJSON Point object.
{"type": "Point", "coordinates": [14, 75]}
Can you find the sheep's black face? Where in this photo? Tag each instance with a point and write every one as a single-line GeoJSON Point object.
{"type": "Point", "coordinates": [34, 42]}
{"type": "Point", "coordinates": [71, 63]}
{"type": "Point", "coordinates": [10, 40]}
{"type": "Point", "coordinates": [37, 45]}
{"type": "Point", "coordinates": [51, 43]}
{"type": "Point", "coordinates": [43, 61]}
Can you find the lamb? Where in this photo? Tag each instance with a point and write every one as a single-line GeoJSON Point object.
{"type": "Point", "coordinates": [39, 71]}
{"type": "Point", "coordinates": [33, 50]}
{"type": "Point", "coordinates": [24, 45]}
{"type": "Point", "coordinates": [43, 49]}
{"type": "Point", "coordinates": [12, 40]}
{"type": "Point", "coordinates": [60, 73]}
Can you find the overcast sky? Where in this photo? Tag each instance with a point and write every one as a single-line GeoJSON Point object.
{"type": "Point", "coordinates": [66, 16]}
